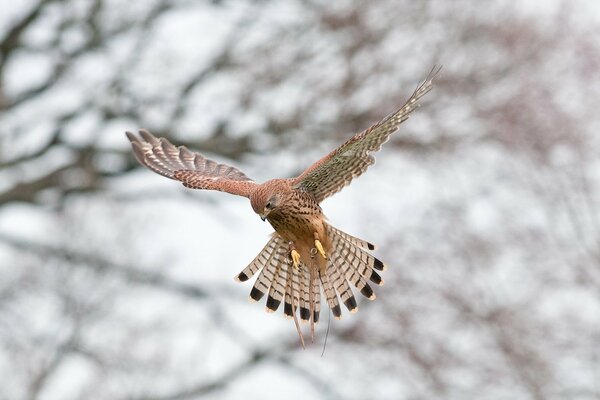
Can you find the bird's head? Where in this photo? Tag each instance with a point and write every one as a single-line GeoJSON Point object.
{"type": "Point", "coordinates": [267, 198]}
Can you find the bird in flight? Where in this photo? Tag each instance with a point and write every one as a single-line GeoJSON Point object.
{"type": "Point", "coordinates": [305, 254]}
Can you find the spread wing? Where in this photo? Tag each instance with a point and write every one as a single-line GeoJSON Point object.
{"type": "Point", "coordinates": [192, 169]}
{"type": "Point", "coordinates": [337, 169]}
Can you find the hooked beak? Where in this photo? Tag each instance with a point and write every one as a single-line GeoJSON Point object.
{"type": "Point", "coordinates": [265, 213]}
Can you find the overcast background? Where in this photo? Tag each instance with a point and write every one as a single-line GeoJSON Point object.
{"type": "Point", "coordinates": [116, 283]}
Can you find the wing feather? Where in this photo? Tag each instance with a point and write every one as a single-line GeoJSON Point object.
{"type": "Point", "coordinates": [192, 169]}
{"type": "Point", "coordinates": [337, 169]}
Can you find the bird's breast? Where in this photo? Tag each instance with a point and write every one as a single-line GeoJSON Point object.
{"type": "Point", "coordinates": [298, 219]}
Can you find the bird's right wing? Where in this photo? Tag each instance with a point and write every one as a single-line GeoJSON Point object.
{"type": "Point", "coordinates": [192, 169]}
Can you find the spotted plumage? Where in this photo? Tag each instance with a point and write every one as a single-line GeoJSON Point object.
{"type": "Point", "coordinates": [305, 257]}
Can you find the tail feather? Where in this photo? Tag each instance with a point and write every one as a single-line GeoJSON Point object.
{"type": "Point", "coordinates": [263, 282]}
{"type": "Point", "coordinates": [304, 293]}
{"type": "Point", "coordinates": [287, 306]}
{"type": "Point", "coordinates": [292, 292]}
{"type": "Point", "coordinates": [349, 238]}
{"type": "Point", "coordinates": [332, 299]}
{"type": "Point", "coordinates": [260, 260]}
{"type": "Point", "coordinates": [292, 298]}
{"type": "Point", "coordinates": [340, 284]}
{"type": "Point", "coordinates": [356, 263]}
{"type": "Point", "coordinates": [269, 260]}
{"type": "Point", "coordinates": [359, 282]}
{"type": "Point", "coordinates": [361, 261]}
{"type": "Point", "coordinates": [277, 290]}
{"type": "Point", "coordinates": [317, 300]}
{"type": "Point", "coordinates": [358, 259]}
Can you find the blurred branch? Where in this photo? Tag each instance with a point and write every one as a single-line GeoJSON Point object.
{"type": "Point", "coordinates": [320, 383]}
{"type": "Point", "coordinates": [507, 331]}
{"type": "Point", "coordinates": [131, 273]}
{"type": "Point", "coordinates": [258, 357]}
{"type": "Point", "coordinates": [12, 39]}
{"type": "Point", "coordinates": [50, 367]}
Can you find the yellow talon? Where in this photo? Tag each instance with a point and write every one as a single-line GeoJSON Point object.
{"type": "Point", "coordinates": [320, 248]}
{"type": "Point", "coordinates": [295, 258]}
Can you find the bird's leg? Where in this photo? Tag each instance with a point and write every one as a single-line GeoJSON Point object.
{"type": "Point", "coordinates": [319, 247]}
{"type": "Point", "coordinates": [295, 256]}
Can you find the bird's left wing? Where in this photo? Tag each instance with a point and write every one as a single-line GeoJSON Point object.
{"type": "Point", "coordinates": [337, 169]}
{"type": "Point", "coordinates": [192, 169]}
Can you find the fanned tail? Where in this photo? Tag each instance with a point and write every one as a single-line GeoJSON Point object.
{"type": "Point", "coordinates": [299, 288]}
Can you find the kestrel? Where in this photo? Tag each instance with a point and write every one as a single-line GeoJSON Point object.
{"type": "Point", "coordinates": [305, 253]}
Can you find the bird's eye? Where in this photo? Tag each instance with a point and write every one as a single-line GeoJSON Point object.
{"type": "Point", "coordinates": [268, 205]}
